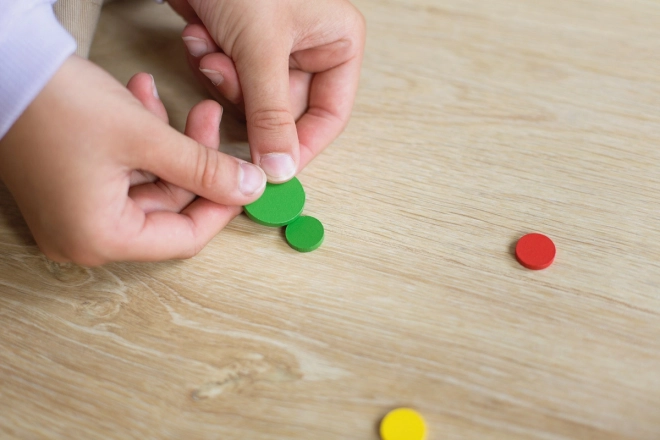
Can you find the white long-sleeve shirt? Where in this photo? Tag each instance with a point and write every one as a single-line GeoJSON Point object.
{"type": "Point", "coordinates": [33, 46]}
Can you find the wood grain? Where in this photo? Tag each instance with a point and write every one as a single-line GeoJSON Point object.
{"type": "Point", "coordinates": [476, 122]}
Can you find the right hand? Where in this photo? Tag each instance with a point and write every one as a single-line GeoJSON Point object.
{"type": "Point", "coordinates": [71, 162]}
{"type": "Point", "coordinates": [293, 65]}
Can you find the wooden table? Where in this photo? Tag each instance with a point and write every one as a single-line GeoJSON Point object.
{"type": "Point", "coordinates": [476, 122]}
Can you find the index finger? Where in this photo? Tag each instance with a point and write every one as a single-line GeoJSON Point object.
{"type": "Point", "coordinates": [263, 69]}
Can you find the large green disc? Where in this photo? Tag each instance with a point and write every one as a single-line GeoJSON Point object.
{"type": "Point", "coordinates": [279, 205]}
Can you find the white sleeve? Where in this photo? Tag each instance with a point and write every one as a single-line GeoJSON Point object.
{"type": "Point", "coordinates": [33, 46]}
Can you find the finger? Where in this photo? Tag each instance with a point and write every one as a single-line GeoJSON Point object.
{"type": "Point", "coordinates": [202, 126]}
{"type": "Point", "coordinates": [203, 123]}
{"type": "Point", "coordinates": [299, 84]}
{"type": "Point", "coordinates": [331, 99]}
{"type": "Point", "coordinates": [138, 178]}
{"type": "Point", "coordinates": [143, 87]}
{"type": "Point", "coordinates": [184, 162]}
{"type": "Point", "coordinates": [183, 8]}
{"type": "Point", "coordinates": [263, 67]}
{"type": "Point", "coordinates": [198, 41]}
{"type": "Point", "coordinates": [164, 235]}
{"type": "Point", "coordinates": [332, 92]}
{"type": "Point", "coordinates": [220, 70]}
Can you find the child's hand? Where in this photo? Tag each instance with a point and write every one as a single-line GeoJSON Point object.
{"type": "Point", "coordinates": [72, 161]}
{"type": "Point", "coordinates": [283, 59]}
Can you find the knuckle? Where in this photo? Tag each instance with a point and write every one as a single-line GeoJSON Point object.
{"type": "Point", "coordinates": [272, 119]}
{"type": "Point", "coordinates": [208, 169]}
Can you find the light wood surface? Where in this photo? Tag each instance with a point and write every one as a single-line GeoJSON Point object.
{"type": "Point", "coordinates": [476, 122]}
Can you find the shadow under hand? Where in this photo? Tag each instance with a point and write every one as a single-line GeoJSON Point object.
{"type": "Point", "coordinates": [13, 229]}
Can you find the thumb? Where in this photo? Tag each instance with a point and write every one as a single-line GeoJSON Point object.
{"type": "Point", "coordinates": [206, 172]}
{"type": "Point", "coordinates": [263, 70]}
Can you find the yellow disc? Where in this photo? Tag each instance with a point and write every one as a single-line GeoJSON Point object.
{"type": "Point", "coordinates": [403, 424]}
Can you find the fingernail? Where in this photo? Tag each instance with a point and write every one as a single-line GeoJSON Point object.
{"type": "Point", "coordinates": [279, 167]}
{"type": "Point", "coordinates": [154, 90]}
{"type": "Point", "coordinates": [252, 179]}
{"type": "Point", "coordinates": [196, 46]}
{"type": "Point", "coordinates": [215, 76]}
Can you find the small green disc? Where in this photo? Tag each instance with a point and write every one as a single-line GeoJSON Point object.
{"type": "Point", "coordinates": [279, 205]}
{"type": "Point", "coordinates": [305, 234]}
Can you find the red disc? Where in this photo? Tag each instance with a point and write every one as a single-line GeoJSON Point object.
{"type": "Point", "coordinates": [535, 251]}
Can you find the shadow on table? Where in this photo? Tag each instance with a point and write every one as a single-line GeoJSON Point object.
{"type": "Point", "coordinates": [11, 219]}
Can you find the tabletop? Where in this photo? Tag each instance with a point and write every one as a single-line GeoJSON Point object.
{"type": "Point", "coordinates": [476, 122]}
